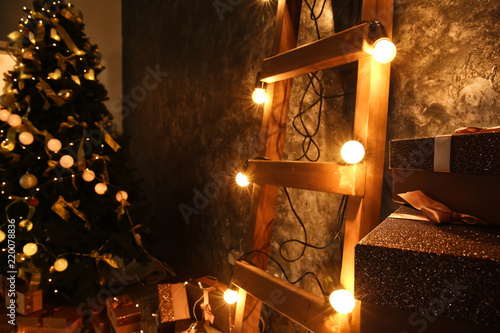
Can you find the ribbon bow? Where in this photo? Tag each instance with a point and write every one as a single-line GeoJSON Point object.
{"type": "Point", "coordinates": [436, 211]}
{"type": "Point", "coordinates": [207, 309]}
{"type": "Point", "coordinates": [122, 302]}
{"type": "Point", "coordinates": [59, 207]}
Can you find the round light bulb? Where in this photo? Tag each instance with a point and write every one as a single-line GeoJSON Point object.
{"type": "Point", "coordinates": [100, 188]}
{"type": "Point", "coordinates": [231, 296]}
{"type": "Point", "coordinates": [14, 120]}
{"type": "Point", "coordinates": [67, 161]}
{"type": "Point", "coordinates": [88, 175]}
{"type": "Point", "coordinates": [30, 249]}
{"type": "Point", "coordinates": [384, 50]}
{"type": "Point", "coordinates": [60, 264]}
{"type": "Point", "coordinates": [259, 96]}
{"type": "Point", "coordinates": [342, 301]}
{"type": "Point", "coordinates": [2, 236]}
{"type": "Point", "coordinates": [352, 152]}
{"type": "Point", "coordinates": [26, 138]}
{"type": "Point", "coordinates": [4, 115]}
{"type": "Point", "coordinates": [54, 145]}
{"type": "Point", "coordinates": [28, 181]}
{"type": "Point", "coordinates": [121, 195]}
{"type": "Point", "coordinates": [27, 224]}
{"type": "Point", "coordinates": [242, 180]}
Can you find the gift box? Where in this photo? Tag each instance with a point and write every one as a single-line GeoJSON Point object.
{"type": "Point", "coordinates": [64, 319]}
{"type": "Point", "coordinates": [26, 301]}
{"type": "Point", "coordinates": [462, 171]}
{"type": "Point", "coordinates": [432, 270]}
{"type": "Point", "coordinates": [173, 303]}
{"type": "Point", "coordinates": [100, 323]}
{"type": "Point", "coordinates": [124, 315]}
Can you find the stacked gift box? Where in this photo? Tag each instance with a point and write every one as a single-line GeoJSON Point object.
{"type": "Point", "coordinates": [436, 276]}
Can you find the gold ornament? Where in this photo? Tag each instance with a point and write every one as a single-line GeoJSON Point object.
{"type": "Point", "coordinates": [90, 75]}
{"type": "Point", "coordinates": [27, 224]}
{"type": "Point", "coordinates": [67, 94]}
{"type": "Point", "coordinates": [55, 75]}
{"type": "Point", "coordinates": [76, 79]}
{"type": "Point", "coordinates": [28, 181]}
{"type": "Point", "coordinates": [54, 35]}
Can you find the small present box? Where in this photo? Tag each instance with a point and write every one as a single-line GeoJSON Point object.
{"type": "Point", "coordinates": [124, 315]}
{"type": "Point", "coordinates": [100, 323]}
{"type": "Point", "coordinates": [461, 171]}
{"type": "Point", "coordinates": [64, 319]}
{"type": "Point", "coordinates": [173, 302]}
{"type": "Point", "coordinates": [448, 271]}
{"type": "Point", "coordinates": [26, 301]}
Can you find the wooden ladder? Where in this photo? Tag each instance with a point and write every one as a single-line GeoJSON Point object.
{"type": "Point", "coordinates": [362, 181]}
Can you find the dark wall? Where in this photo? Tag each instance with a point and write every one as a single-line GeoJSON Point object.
{"type": "Point", "coordinates": [192, 131]}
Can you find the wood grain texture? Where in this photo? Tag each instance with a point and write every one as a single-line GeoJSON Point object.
{"type": "Point", "coordinates": [338, 49]}
{"type": "Point", "coordinates": [318, 176]}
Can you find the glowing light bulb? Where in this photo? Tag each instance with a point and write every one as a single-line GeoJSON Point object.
{"type": "Point", "coordinates": [26, 138]}
{"type": "Point", "coordinates": [88, 175]}
{"type": "Point", "coordinates": [2, 236]}
{"type": "Point", "coordinates": [121, 195]}
{"type": "Point", "coordinates": [384, 50]}
{"type": "Point", "coordinates": [4, 115]}
{"type": "Point", "coordinates": [352, 152]}
{"type": "Point", "coordinates": [100, 188]}
{"type": "Point", "coordinates": [60, 264]}
{"type": "Point", "coordinates": [30, 249]}
{"type": "Point", "coordinates": [242, 180]}
{"type": "Point", "coordinates": [231, 296]}
{"type": "Point", "coordinates": [54, 145]}
{"type": "Point", "coordinates": [14, 120]}
{"type": "Point", "coordinates": [67, 161]}
{"type": "Point", "coordinates": [27, 224]}
{"type": "Point", "coordinates": [259, 96]}
{"type": "Point", "coordinates": [342, 301]}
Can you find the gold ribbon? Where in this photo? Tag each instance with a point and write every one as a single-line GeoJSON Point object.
{"type": "Point", "coordinates": [51, 166]}
{"type": "Point", "coordinates": [108, 138]}
{"type": "Point", "coordinates": [122, 209]}
{"type": "Point", "coordinates": [62, 60]}
{"type": "Point", "coordinates": [33, 281]}
{"type": "Point", "coordinates": [60, 208]}
{"type": "Point", "coordinates": [66, 37]}
{"type": "Point", "coordinates": [40, 32]}
{"type": "Point", "coordinates": [49, 92]}
{"type": "Point", "coordinates": [207, 309]}
{"type": "Point", "coordinates": [437, 212]}
{"type": "Point", "coordinates": [9, 144]}
{"type": "Point", "coordinates": [442, 153]}
{"type": "Point", "coordinates": [106, 257]}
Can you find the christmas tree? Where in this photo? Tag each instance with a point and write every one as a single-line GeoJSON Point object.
{"type": "Point", "coordinates": [62, 176]}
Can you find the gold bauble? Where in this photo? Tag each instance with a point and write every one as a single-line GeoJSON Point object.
{"type": "Point", "coordinates": [28, 181]}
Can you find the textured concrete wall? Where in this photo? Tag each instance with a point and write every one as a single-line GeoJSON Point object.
{"type": "Point", "coordinates": [193, 129]}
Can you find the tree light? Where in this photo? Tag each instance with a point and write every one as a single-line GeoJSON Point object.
{"type": "Point", "coordinates": [242, 180]}
{"type": "Point", "coordinates": [14, 120]}
{"type": "Point", "coordinates": [259, 96]}
{"type": "Point", "coordinates": [352, 152]}
{"type": "Point", "coordinates": [67, 161]}
{"type": "Point", "coordinates": [2, 236]}
{"type": "Point", "coordinates": [26, 138]}
{"type": "Point", "coordinates": [54, 145]}
{"type": "Point", "coordinates": [4, 115]}
{"type": "Point", "coordinates": [100, 188]}
{"type": "Point", "coordinates": [28, 181]}
{"type": "Point", "coordinates": [342, 301]}
{"type": "Point", "coordinates": [384, 50]}
{"type": "Point", "coordinates": [60, 265]}
{"type": "Point", "coordinates": [231, 296]}
{"type": "Point", "coordinates": [88, 175]}
{"type": "Point", "coordinates": [30, 249]}
{"type": "Point", "coordinates": [121, 195]}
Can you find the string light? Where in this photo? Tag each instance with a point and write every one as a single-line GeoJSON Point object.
{"type": "Point", "coordinates": [60, 265]}
{"type": "Point", "coordinates": [259, 96]}
{"type": "Point", "coordinates": [30, 249]}
{"type": "Point", "coordinates": [54, 145]}
{"type": "Point", "coordinates": [14, 120]}
{"type": "Point", "coordinates": [231, 296]}
{"type": "Point", "coordinates": [352, 152]}
{"type": "Point", "coordinates": [242, 180]}
{"type": "Point", "coordinates": [342, 301]}
{"type": "Point", "coordinates": [384, 50]}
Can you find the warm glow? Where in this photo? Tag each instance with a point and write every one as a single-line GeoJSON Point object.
{"type": "Point", "coordinates": [60, 265]}
{"type": "Point", "coordinates": [242, 180]}
{"type": "Point", "coordinates": [30, 249]}
{"type": "Point", "coordinates": [27, 224]}
{"type": "Point", "coordinates": [100, 188]}
{"type": "Point", "coordinates": [231, 296]}
{"type": "Point", "coordinates": [88, 175]}
{"type": "Point", "coordinates": [384, 50]}
{"type": "Point", "coordinates": [28, 181]}
{"type": "Point", "coordinates": [67, 161]}
{"type": "Point", "coordinates": [14, 120]}
{"type": "Point", "coordinates": [121, 195]}
{"type": "Point", "coordinates": [259, 96]}
{"type": "Point", "coordinates": [342, 301]}
{"type": "Point", "coordinates": [54, 145]}
{"type": "Point", "coordinates": [26, 138]}
{"type": "Point", "coordinates": [2, 236]}
{"type": "Point", "coordinates": [352, 152]}
{"type": "Point", "coordinates": [4, 115]}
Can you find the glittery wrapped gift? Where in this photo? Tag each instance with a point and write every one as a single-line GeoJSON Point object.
{"type": "Point", "coordinates": [462, 171]}
{"type": "Point", "coordinates": [173, 302]}
{"type": "Point", "coordinates": [449, 271]}
{"type": "Point", "coordinates": [27, 301]}
{"type": "Point", "coordinates": [63, 319]}
{"type": "Point", "coordinates": [123, 314]}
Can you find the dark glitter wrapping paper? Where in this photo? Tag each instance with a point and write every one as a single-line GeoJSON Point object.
{"type": "Point", "coordinates": [470, 153]}
{"type": "Point", "coordinates": [446, 270]}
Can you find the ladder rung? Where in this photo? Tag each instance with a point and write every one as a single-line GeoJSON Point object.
{"type": "Point", "coordinates": [338, 49]}
{"type": "Point", "coordinates": [308, 310]}
{"type": "Point", "coordinates": [315, 176]}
